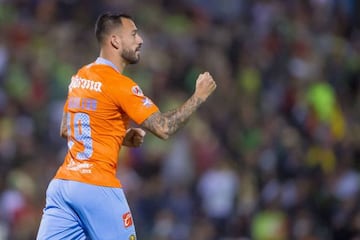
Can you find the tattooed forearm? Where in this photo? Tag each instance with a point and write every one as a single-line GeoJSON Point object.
{"type": "Point", "coordinates": [165, 124]}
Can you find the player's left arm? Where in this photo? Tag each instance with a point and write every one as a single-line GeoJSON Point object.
{"type": "Point", "coordinates": [166, 124]}
{"type": "Point", "coordinates": [134, 137]}
{"type": "Point", "coordinates": [63, 128]}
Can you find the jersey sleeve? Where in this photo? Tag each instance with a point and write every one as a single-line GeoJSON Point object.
{"type": "Point", "coordinates": [134, 103]}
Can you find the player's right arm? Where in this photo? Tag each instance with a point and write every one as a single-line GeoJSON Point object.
{"type": "Point", "coordinates": [63, 127]}
{"type": "Point", "coordinates": [165, 124]}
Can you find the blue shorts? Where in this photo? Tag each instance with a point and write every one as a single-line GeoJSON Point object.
{"type": "Point", "coordinates": [77, 210]}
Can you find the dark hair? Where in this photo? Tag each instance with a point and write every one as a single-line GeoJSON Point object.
{"type": "Point", "coordinates": [106, 22]}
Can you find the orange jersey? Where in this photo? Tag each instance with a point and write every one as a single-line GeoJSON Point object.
{"type": "Point", "coordinates": [100, 103]}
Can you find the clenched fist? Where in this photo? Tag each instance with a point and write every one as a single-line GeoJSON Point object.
{"type": "Point", "coordinates": [134, 137]}
{"type": "Point", "coordinates": [205, 85]}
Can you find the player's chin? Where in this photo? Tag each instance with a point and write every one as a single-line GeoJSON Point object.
{"type": "Point", "coordinates": [136, 57]}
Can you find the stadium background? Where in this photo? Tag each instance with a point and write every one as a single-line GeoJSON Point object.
{"type": "Point", "coordinates": [274, 154]}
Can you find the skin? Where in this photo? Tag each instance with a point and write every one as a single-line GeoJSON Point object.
{"type": "Point", "coordinates": [122, 47]}
{"type": "Point", "coordinates": [166, 124]}
{"type": "Point", "coordinates": [134, 137]}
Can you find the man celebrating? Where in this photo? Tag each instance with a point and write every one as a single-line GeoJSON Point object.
{"type": "Point", "coordinates": [85, 200]}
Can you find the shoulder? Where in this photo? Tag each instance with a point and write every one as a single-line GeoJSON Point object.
{"type": "Point", "coordinates": [103, 73]}
{"type": "Point", "coordinates": [119, 82]}
{"type": "Point", "coordinates": [110, 79]}
{"type": "Point", "coordinates": [99, 71]}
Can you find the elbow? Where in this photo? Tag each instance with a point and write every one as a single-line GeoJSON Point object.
{"type": "Point", "coordinates": [63, 134]}
{"type": "Point", "coordinates": [162, 135]}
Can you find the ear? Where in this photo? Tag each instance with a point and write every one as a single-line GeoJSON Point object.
{"type": "Point", "coordinates": [115, 41]}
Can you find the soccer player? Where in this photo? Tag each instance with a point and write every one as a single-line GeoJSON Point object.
{"type": "Point", "coordinates": [85, 200]}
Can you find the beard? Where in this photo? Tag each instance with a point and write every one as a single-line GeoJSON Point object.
{"type": "Point", "coordinates": [130, 56]}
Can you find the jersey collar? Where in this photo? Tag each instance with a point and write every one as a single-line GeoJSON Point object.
{"type": "Point", "coordinates": [104, 61]}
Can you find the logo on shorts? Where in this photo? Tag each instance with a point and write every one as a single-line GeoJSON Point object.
{"type": "Point", "coordinates": [127, 220]}
{"type": "Point", "coordinates": [132, 237]}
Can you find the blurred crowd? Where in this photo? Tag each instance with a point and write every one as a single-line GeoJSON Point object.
{"type": "Point", "coordinates": [273, 154]}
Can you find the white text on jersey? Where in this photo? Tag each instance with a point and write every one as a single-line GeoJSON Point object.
{"type": "Point", "coordinates": [78, 82]}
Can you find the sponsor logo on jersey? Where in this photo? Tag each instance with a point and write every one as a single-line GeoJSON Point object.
{"type": "Point", "coordinates": [137, 91]}
{"type": "Point", "coordinates": [127, 219]}
{"type": "Point", "coordinates": [81, 167]}
{"type": "Point", "coordinates": [78, 82]}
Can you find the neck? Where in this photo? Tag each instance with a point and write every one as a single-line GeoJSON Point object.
{"type": "Point", "coordinates": [115, 59]}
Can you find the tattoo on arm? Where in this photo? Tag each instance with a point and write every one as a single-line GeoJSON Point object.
{"type": "Point", "coordinates": [165, 124]}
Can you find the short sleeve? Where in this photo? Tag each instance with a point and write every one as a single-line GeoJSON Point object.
{"type": "Point", "coordinates": [134, 103]}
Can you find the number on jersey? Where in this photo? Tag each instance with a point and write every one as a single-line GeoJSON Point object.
{"type": "Point", "coordinates": [82, 133]}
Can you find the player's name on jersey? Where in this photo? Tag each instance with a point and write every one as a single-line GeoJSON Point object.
{"type": "Point", "coordinates": [82, 103]}
{"type": "Point", "coordinates": [78, 82]}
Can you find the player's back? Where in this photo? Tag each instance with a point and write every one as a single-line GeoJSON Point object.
{"type": "Point", "coordinates": [96, 126]}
